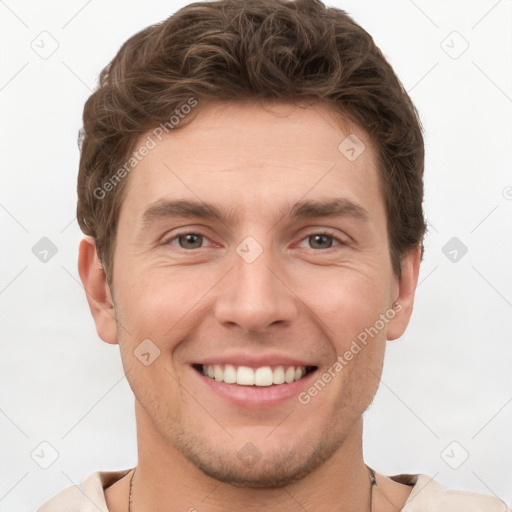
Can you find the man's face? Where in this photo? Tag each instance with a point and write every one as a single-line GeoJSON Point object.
{"type": "Point", "coordinates": [264, 285]}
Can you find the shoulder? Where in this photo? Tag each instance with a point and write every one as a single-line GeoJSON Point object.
{"type": "Point", "coordinates": [88, 496]}
{"type": "Point", "coordinates": [429, 495]}
{"type": "Point", "coordinates": [67, 499]}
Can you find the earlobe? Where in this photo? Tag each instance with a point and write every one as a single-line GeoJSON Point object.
{"type": "Point", "coordinates": [407, 289]}
{"type": "Point", "coordinates": [97, 290]}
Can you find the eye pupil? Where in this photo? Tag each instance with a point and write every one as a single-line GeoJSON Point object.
{"type": "Point", "coordinates": [318, 239]}
{"type": "Point", "coordinates": [191, 238]}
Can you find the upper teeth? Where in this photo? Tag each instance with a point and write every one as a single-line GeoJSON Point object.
{"type": "Point", "coordinates": [247, 376]}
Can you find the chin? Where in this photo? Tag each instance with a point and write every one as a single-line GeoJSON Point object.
{"type": "Point", "coordinates": [249, 467]}
{"type": "Point", "coordinates": [275, 472]}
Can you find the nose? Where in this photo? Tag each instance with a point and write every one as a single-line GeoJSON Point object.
{"type": "Point", "coordinates": [255, 295]}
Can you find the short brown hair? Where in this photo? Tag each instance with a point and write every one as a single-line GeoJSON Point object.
{"type": "Point", "coordinates": [259, 50]}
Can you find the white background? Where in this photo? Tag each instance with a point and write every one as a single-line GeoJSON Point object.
{"type": "Point", "coordinates": [448, 379]}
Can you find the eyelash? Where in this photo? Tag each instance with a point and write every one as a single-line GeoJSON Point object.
{"type": "Point", "coordinates": [176, 236]}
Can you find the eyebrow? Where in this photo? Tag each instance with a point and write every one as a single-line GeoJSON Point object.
{"type": "Point", "coordinates": [184, 208]}
{"type": "Point", "coordinates": [336, 207]}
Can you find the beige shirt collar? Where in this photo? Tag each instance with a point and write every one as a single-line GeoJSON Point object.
{"type": "Point", "coordinates": [427, 495]}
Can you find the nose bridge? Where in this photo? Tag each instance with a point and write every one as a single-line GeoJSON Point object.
{"type": "Point", "coordinates": [254, 297]}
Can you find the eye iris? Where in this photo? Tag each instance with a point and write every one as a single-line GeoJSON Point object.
{"type": "Point", "coordinates": [191, 238]}
{"type": "Point", "coordinates": [318, 239]}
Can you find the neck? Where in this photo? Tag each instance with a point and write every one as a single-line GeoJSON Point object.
{"type": "Point", "coordinates": [164, 476]}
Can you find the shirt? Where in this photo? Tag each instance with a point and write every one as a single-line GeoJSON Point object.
{"type": "Point", "coordinates": [427, 495]}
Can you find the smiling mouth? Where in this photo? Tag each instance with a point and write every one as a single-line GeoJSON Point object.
{"type": "Point", "coordinates": [263, 376]}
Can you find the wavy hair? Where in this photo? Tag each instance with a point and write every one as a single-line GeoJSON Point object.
{"type": "Point", "coordinates": [238, 50]}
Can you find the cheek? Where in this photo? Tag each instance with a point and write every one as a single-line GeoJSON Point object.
{"type": "Point", "coordinates": [345, 302]}
{"type": "Point", "coordinates": [151, 320]}
{"type": "Point", "coordinates": [162, 306]}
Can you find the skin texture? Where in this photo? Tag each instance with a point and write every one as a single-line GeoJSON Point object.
{"type": "Point", "coordinates": [296, 299]}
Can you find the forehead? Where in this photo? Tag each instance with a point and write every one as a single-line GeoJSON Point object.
{"type": "Point", "coordinates": [254, 155]}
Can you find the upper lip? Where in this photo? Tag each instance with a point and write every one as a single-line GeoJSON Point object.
{"type": "Point", "coordinates": [255, 361]}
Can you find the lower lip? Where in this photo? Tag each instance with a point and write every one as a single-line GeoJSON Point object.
{"type": "Point", "coordinates": [256, 397]}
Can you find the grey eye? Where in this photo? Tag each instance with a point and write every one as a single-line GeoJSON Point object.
{"type": "Point", "coordinates": [320, 241]}
{"type": "Point", "coordinates": [190, 241]}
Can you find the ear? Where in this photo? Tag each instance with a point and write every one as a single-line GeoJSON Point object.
{"type": "Point", "coordinates": [406, 291]}
{"type": "Point", "coordinates": [97, 290]}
